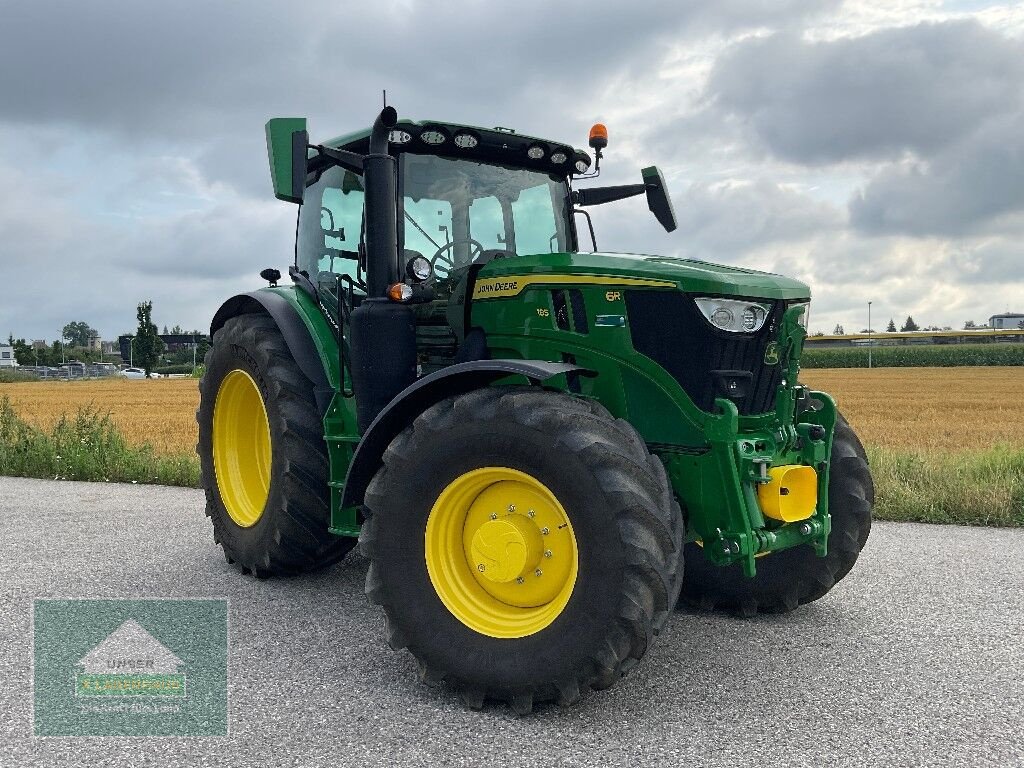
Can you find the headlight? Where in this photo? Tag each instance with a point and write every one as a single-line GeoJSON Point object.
{"type": "Point", "coordinates": [734, 315]}
{"type": "Point", "coordinates": [418, 268]}
{"type": "Point", "coordinates": [432, 137]}
{"type": "Point", "coordinates": [536, 152]}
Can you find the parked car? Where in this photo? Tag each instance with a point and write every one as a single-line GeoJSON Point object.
{"type": "Point", "coordinates": [133, 373]}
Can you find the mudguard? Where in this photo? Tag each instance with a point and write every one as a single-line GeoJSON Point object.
{"type": "Point", "coordinates": [296, 336]}
{"type": "Point", "coordinates": [417, 397]}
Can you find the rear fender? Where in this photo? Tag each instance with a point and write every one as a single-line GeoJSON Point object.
{"type": "Point", "coordinates": [417, 397]}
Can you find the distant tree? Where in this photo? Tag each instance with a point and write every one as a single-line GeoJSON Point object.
{"type": "Point", "coordinates": [176, 330]}
{"type": "Point", "coordinates": [146, 345]}
{"type": "Point", "coordinates": [891, 328]}
{"type": "Point", "coordinates": [818, 333]}
{"type": "Point", "coordinates": [23, 352]}
{"type": "Point", "coordinates": [78, 334]}
{"type": "Point", "coordinates": [969, 325]}
{"type": "Point", "coordinates": [839, 330]}
{"type": "Point", "coordinates": [910, 325]}
{"type": "Point", "coordinates": [165, 330]}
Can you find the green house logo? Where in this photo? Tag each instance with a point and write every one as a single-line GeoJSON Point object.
{"type": "Point", "coordinates": [129, 663]}
{"type": "Point", "coordinates": [771, 353]}
{"type": "Point", "coordinates": [130, 667]}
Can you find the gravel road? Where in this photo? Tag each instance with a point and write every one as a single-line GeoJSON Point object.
{"type": "Point", "coordinates": [915, 659]}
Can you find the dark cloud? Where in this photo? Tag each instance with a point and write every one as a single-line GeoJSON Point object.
{"type": "Point", "coordinates": [961, 190]}
{"type": "Point", "coordinates": [914, 89]}
{"type": "Point", "coordinates": [187, 68]}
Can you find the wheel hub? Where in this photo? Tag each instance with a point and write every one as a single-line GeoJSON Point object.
{"type": "Point", "coordinates": [507, 548]}
{"type": "Point", "coordinates": [500, 552]}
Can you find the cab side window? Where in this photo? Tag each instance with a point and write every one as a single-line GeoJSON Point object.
{"type": "Point", "coordinates": [331, 228]}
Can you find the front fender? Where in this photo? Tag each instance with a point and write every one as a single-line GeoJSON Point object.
{"type": "Point", "coordinates": [307, 335]}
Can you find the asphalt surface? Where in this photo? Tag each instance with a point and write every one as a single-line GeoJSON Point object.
{"type": "Point", "coordinates": [916, 658]}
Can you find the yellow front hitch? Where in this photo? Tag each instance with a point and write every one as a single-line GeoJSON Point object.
{"type": "Point", "coordinates": [791, 494]}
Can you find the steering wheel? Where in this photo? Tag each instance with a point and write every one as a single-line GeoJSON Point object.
{"type": "Point", "coordinates": [444, 260]}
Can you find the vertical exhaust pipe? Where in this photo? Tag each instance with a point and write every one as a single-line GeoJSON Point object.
{"type": "Point", "coordinates": [381, 208]}
{"type": "Point", "coordinates": [382, 333]}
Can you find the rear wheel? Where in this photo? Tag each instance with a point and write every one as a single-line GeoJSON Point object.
{"type": "Point", "coordinates": [264, 461]}
{"type": "Point", "coordinates": [795, 576]}
{"type": "Point", "coordinates": [524, 545]}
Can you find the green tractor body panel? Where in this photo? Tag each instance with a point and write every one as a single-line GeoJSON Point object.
{"type": "Point", "coordinates": [603, 312]}
{"type": "Point", "coordinates": [695, 277]}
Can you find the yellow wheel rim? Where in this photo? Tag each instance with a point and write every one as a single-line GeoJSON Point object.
{"type": "Point", "coordinates": [241, 448]}
{"type": "Point", "coordinates": [501, 552]}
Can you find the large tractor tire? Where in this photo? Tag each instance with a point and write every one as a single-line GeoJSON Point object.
{"type": "Point", "coordinates": [264, 460]}
{"type": "Point", "coordinates": [792, 577]}
{"type": "Point", "coordinates": [524, 545]}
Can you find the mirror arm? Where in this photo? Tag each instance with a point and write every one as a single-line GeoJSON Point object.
{"type": "Point", "coordinates": [601, 195]}
{"type": "Point", "coordinates": [350, 161]}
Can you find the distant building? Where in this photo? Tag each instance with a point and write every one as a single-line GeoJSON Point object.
{"type": "Point", "coordinates": [95, 344]}
{"type": "Point", "coordinates": [7, 356]}
{"type": "Point", "coordinates": [39, 344]}
{"type": "Point", "coordinates": [1009, 320]}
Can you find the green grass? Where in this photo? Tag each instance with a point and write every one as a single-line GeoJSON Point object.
{"type": "Point", "coordinates": [13, 376]}
{"type": "Point", "coordinates": [85, 446]}
{"type": "Point", "coordinates": [932, 355]}
{"type": "Point", "coordinates": [977, 488]}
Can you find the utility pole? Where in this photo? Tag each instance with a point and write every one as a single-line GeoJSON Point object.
{"type": "Point", "coordinates": [869, 334]}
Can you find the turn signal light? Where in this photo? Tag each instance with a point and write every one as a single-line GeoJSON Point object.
{"type": "Point", "coordinates": [598, 136]}
{"type": "Point", "coordinates": [399, 292]}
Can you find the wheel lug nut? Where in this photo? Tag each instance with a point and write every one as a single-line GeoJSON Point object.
{"type": "Point", "coordinates": [545, 531]}
{"type": "Point", "coordinates": [481, 567]}
{"type": "Point", "coordinates": [493, 516]}
{"type": "Point", "coordinates": [520, 579]}
{"type": "Point", "coordinates": [511, 507]}
{"type": "Point", "coordinates": [547, 553]}
{"type": "Point", "coordinates": [538, 572]}
{"type": "Point", "coordinates": [531, 513]}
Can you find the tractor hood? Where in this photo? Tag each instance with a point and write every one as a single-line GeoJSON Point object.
{"type": "Point", "coordinates": [691, 275]}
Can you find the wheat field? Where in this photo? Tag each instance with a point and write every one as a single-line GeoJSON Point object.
{"type": "Point", "coordinates": [161, 412]}
{"type": "Point", "coordinates": [920, 409]}
{"type": "Point", "coordinates": [928, 409]}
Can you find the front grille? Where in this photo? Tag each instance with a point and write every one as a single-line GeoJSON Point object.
{"type": "Point", "coordinates": [667, 327]}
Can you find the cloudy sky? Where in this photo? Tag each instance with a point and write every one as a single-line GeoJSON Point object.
{"type": "Point", "coordinates": [873, 149]}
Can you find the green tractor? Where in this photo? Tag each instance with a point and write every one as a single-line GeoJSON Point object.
{"type": "Point", "coordinates": [540, 450]}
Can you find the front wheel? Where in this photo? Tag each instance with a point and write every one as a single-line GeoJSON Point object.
{"type": "Point", "coordinates": [524, 545]}
{"type": "Point", "coordinates": [792, 577]}
{"type": "Point", "coordinates": [261, 447]}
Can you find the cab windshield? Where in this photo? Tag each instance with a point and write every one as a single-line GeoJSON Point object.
{"type": "Point", "coordinates": [454, 210]}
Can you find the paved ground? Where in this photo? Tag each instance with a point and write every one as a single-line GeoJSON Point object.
{"type": "Point", "coordinates": [915, 659]}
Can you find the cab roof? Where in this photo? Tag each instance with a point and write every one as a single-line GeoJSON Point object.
{"type": "Point", "coordinates": [496, 145]}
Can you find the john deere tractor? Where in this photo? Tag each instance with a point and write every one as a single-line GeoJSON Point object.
{"type": "Point", "coordinates": [538, 448]}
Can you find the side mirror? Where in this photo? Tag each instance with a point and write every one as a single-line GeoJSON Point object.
{"type": "Point", "coordinates": [657, 198]}
{"type": "Point", "coordinates": [287, 142]}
